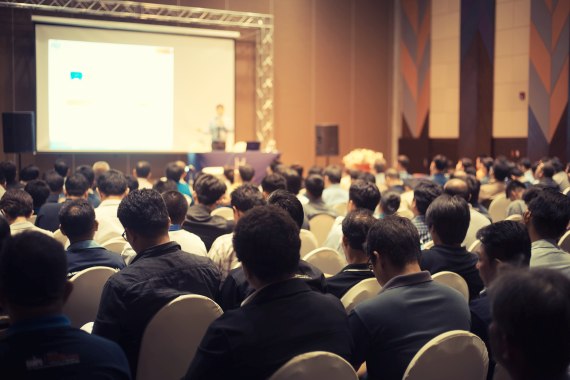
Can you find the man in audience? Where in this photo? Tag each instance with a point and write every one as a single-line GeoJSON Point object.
{"type": "Point", "coordinates": [393, 181]}
{"type": "Point", "coordinates": [55, 183]}
{"type": "Point", "coordinates": [402, 166]}
{"type": "Point", "coordinates": [61, 167]}
{"type": "Point", "coordinates": [222, 252]}
{"type": "Point", "coordinates": [112, 188]}
{"type": "Point", "coordinates": [9, 170]}
{"type": "Point", "coordinates": [525, 166]}
{"type": "Point", "coordinates": [389, 329]}
{"type": "Point", "coordinates": [89, 174]}
{"type": "Point", "coordinates": [17, 207]}
{"type": "Point", "coordinates": [77, 219]}
{"type": "Point", "coordinates": [514, 192]}
{"type": "Point", "coordinates": [176, 172]}
{"type": "Point", "coordinates": [547, 217]}
{"type": "Point", "coordinates": [39, 190]}
{"type": "Point", "coordinates": [560, 176]}
{"type": "Point", "coordinates": [544, 174]}
{"type": "Point", "coordinates": [503, 245]}
{"type": "Point", "coordinates": [437, 169]}
{"type": "Point", "coordinates": [530, 333]}
{"type": "Point", "coordinates": [272, 182]}
{"type": "Point", "coordinates": [29, 173]}
{"type": "Point", "coordinates": [142, 173]}
{"type": "Point", "coordinates": [99, 168]}
{"type": "Point", "coordinates": [40, 343]}
{"type": "Point", "coordinates": [379, 172]}
{"type": "Point", "coordinates": [333, 193]}
{"type": "Point", "coordinates": [294, 183]}
{"type": "Point", "coordinates": [389, 204]}
{"type": "Point", "coordinates": [159, 273]}
{"type": "Point", "coordinates": [497, 184]}
{"type": "Point", "coordinates": [424, 193]}
{"type": "Point", "coordinates": [76, 187]}
{"type": "Point", "coordinates": [246, 173]}
{"type": "Point", "coordinates": [448, 220]}
{"type": "Point", "coordinates": [314, 184]}
{"type": "Point", "coordinates": [209, 191]}
{"type": "Point", "coordinates": [282, 319]}
{"type": "Point", "coordinates": [355, 227]}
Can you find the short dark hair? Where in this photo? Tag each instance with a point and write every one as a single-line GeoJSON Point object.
{"type": "Point", "coordinates": [209, 189]}
{"type": "Point", "coordinates": [61, 167]}
{"type": "Point", "coordinates": [500, 170]}
{"type": "Point", "coordinates": [288, 202]}
{"type": "Point", "coordinates": [163, 185]}
{"type": "Point", "coordinates": [315, 169]}
{"type": "Point", "coordinates": [266, 241]}
{"type": "Point", "coordinates": [29, 173]}
{"type": "Point", "coordinates": [424, 193]}
{"type": "Point", "coordinates": [76, 185]}
{"type": "Point", "coordinates": [142, 169]}
{"type": "Point", "coordinates": [33, 269]}
{"type": "Point", "coordinates": [87, 172]}
{"type": "Point", "coordinates": [450, 217]}
{"type": "Point", "coordinates": [145, 212]}
{"type": "Point", "coordinates": [132, 182]}
{"type": "Point", "coordinates": [531, 193]}
{"type": "Point", "coordinates": [368, 177]}
{"type": "Point", "coordinates": [474, 187]}
{"type": "Point", "coordinates": [390, 203]}
{"type": "Point", "coordinates": [39, 190]}
{"type": "Point", "coordinates": [548, 170]}
{"type": "Point", "coordinates": [334, 173]}
{"type": "Point", "coordinates": [404, 161]}
{"type": "Point", "coordinates": [466, 162]}
{"type": "Point", "coordinates": [76, 218]}
{"type": "Point", "coordinates": [272, 182]}
{"type": "Point", "coordinates": [364, 194]}
{"type": "Point", "coordinates": [174, 171]}
{"type": "Point", "coordinates": [355, 227]}
{"type": "Point", "coordinates": [396, 238]}
{"type": "Point", "coordinates": [17, 203]}
{"type": "Point", "coordinates": [176, 205]}
{"type": "Point", "coordinates": [298, 168]}
{"type": "Point", "coordinates": [315, 185]}
{"type": "Point", "coordinates": [440, 162]}
{"type": "Point", "coordinates": [9, 170]}
{"type": "Point", "coordinates": [293, 180]}
{"type": "Point", "coordinates": [246, 172]}
{"type": "Point", "coordinates": [54, 181]}
{"type": "Point", "coordinates": [525, 162]}
{"type": "Point", "coordinates": [532, 309]}
{"type": "Point", "coordinates": [112, 182]}
{"type": "Point", "coordinates": [246, 197]}
{"type": "Point", "coordinates": [550, 213]}
{"type": "Point", "coordinates": [507, 241]}
{"type": "Point", "coordinates": [513, 186]}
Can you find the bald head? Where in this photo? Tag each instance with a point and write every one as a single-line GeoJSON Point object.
{"type": "Point", "coordinates": [457, 187]}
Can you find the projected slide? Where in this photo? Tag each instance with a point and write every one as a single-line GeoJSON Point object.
{"type": "Point", "coordinates": [110, 83]}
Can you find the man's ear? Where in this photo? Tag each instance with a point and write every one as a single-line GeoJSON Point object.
{"type": "Point", "coordinates": [344, 241]}
{"type": "Point", "coordinates": [95, 225]}
{"type": "Point", "coordinates": [526, 217]}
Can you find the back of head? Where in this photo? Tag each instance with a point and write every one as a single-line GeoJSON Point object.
{"type": "Point", "coordinates": [380, 165]}
{"type": "Point", "coordinates": [333, 173]}
{"type": "Point", "coordinates": [33, 270]}
{"type": "Point", "coordinates": [246, 172]}
{"type": "Point", "coordinates": [355, 227]}
{"type": "Point", "coordinates": [39, 190]}
{"type": "Point", "coordinates": [100, 167]}
{"type": "Point", "coordinates": [112, 182]}
{"type": "Point", "coordinates": [142, 169]}
{"type": "Point", "coordinates": [77, 218]}
{"type": "Point", "coordinates": [390, 203]}
{"type": "Point", "coordinates": [500, 170]}
{"type": "Point", "coordinates": [87, 172]}
{"type": "Point", "coordinates": [525, 163]}
{"type": "Point", "coordinates": [548, 170]}
{"type": "Point", "coordinates": [557, 164]}
{"type": "Point", "coordinates": [76, 185]}
{"type": "Point", "coordinates": [315, 185]}
{"type": "Point", "coordinates": [450, 217]}
{"type": "Point", "coordinates": [404, 161]}
{"type": "Point", "coordinates": [457, 187]}
{"type": "Point", "coordinates": [440, 162]}
{"type": "Point", "coordinates": [163, 185]}
{"type": "Point", "coordinates": [368, 177]}
{"type": "Point", "coordinates": [176, 205]}
{"type": "Point", "coordinates": [293, 180]}
{"type": "Point", "coordinates": [29, 173]}
{"type": "Point", "coordinates": [506, 241]}
{"type": "Point", "coordinates": [272, 182]}
{"type": "Point", "coordinates": [474, 187]}
{"type": "Point", "coordinates": [174, 171]}
{"type": "Point", "coordinates": [246, 197]}
{"type": "Point", "coordinates": [364, 194]}
{"type": "Point", "coordinates": [209, 189]}
{"type": "Point", "coordinates": [513, 186]}
{"type": "Point", "coordinates": [425, 193]}
{"type": "Point", "coordinates": [298, 168]}
{"type": "Point", "coordinates": [9, 170]}
{"type": "Point", "coordinates": [531, 193]}
{"type": "Point", "coordinates": [396, 239]}
{"type": "Point", "coordinates": [132, 182]}
{"type": "Point", "coordinates": [16, 203]}
{"type": "Point", "coordinates": [549, 213]}
{"type": "Point", "coordinates": [266, 241]}
{"type": "Point", "coordinates": [61, 167]}
{"type": "Point", "coordinates": [392, 174]}
{"type": "Point", "coordinates": [530, 311]}
{"type": "Point", "coordinates": [315, 170]}
{"type": "Point", "coordinates": [54, 181]}
{"type": "Point", "coordinates": [144, 212]}
{"type": "Point", "coordinates": [288, 202]}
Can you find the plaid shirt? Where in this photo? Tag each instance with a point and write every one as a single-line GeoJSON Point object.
{"type": "Point", "coordinates": [223, 255]}
{"type": "Point", "coordinates": [420, 223]}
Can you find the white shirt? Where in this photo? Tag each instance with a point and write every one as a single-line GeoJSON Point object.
{"type": "Point", "coordinates": [546, 254]}
{"type": "Point", "coordinates": [109, 224]}
{"type": "Point", "coordinates": [144, 183]}
{"type": "Point", "coordinates": [223, 255]}
{"type": "Point", "coordinates": [477, 222]}
{"type": "Point", "coordinates": [334, 238]}
{"type": "Point", "coordinates": [16, 228]}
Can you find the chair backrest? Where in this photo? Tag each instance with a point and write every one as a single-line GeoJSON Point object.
{"type": "Point", "coordinates": [321, 226]}
{"type": "Point", "coordinates": [515, 218]}
{"type": "Point", "coordinates": [59, 236]}
{"type": "Point", "coordinates": [429, 245]}
{"type": "Point", "coordinates": [225, 212]}
{"type": "Point", "coordinates": [116, 244]}
{"type": "Point", "coordinates": [453, 280]}
{"type": "Point", "coordinates": [474, 247]}
{"type": "Point", "coordinates": [315, 365]}
{"type": "Point", "coordinates": [564, 242]}
{"type": "Point", "coordinates": [450, 356]}
{"type": "Point", "coordinates": [308, 242]}
{"type": "Point", "coordinates": [83, 303]}
{"type": "Point", "coordinates": [340, 208]}
{"type": "Point", "coordinates": [172, 336]}
{"type": "Point", "coordinates": [326, 259]}
{"type": "Point", "coordinates": [498, 208]}
{"type": "Point", "coordinates": [566, 190]}
{"type": "Point", "coordinates": [360, 292]}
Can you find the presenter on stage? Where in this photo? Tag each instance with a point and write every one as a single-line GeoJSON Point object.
{"type": "Point", "coordinates": [221, 130]}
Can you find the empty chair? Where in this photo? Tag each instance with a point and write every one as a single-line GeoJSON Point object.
{"type": "Point", "coordinates": [450, 356]}
{"type": "Point", "coordinates": [315, 365]}
{"type": "Point", "coordinates": [429, 245]}
{"type": "Point", "coordinates": [453, 280]}
{"type": "Point", "coordinates": [225, 212]}
{"type": "Point", "coordinates": [498, 208]}
{"type": "Point", "coordinates": [564, 242]}
{"type": "Point", "coordinates": [515, 218]}
{"type": "Point", "coordinates": [320, 226]}
{"type": "Point", "coordinates": [360, 292]}
{"type": "Point", "coordinates": [326, 259]}
{"type": "Point", "coordinates": [475, 246]}
{"type": "Point", "coordinates": [340, 208]}
{"type": "Point", "coordinates": [116, 244]}
{"type": "Point", "coordinates": [83, 303]}
{"type": "Point", "coordinates": [172, 336]}
{"type": "Point", "coordinates": [308, 242]}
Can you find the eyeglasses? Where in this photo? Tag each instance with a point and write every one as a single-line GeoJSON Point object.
{"type": "Point", "coordinates": [124, 235]}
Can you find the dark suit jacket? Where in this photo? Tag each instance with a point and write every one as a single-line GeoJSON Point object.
{"type": "Point", "coordinates": [280, 321]}
{"type": "Point", "coordinates": [349, 276]}
{"type": "Point", "coordinates": [48, 216]}
{"type": "Point", "coordinates": [207, 227]}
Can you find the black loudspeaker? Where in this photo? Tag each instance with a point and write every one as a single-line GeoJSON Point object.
{"type": "Point", "coordinates": [327, 140]}
{"type": "Point", "coordinates": [19, 132]}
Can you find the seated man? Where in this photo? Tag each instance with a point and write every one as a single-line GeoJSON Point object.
{"type": "Point", "coordinates": [314, 184]}
{"type": "Point", "coordinates": [55, 183]}
{"type": "Point", "coordinates": [333, 193]}
{"type": "Point", "coordinates": [77, 219]}
{"type": "Point", "coordinates": [448, 220]}
{"type": "Point", "coordinates": [272, 182]}
{"type": "Point", "coordinates": [159, 273]}
{"type": "Point", "coordinates": [437, 169]}
{"type": "Point", "coordinates": [354, 230]}
{"type": "Point", "coordinates": [281, 319]}
{"type": "Point", "coordinates": [39, 190]}
{"type": "Point", "coordinates": [209, 192]}
{"type": "Point", "coordinates": [530, 333]}
{"type": "Point", "coordinates": [112, 188]}
{"type": "Point", "coordinates": [17, 207]}
{"type": "Point", "coordinates": [547, 217]}
{"type": "Point", "coordinates": [515, 191]}
{"type": "Point", "coordinates": [175, 172]}
{"type": "Point", "coordinates": [40, 343]}
{"type": "Point", "coordinates": [389, 329]}
{"type": "Point", "coordinates": [497, 185]}
{"type": "Point", "coordinates": [424, 193]}
{"type": "Point", "coordinates": [142, 173]}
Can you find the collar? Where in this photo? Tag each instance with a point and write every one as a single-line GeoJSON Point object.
{"type": "Point", "coordinates": [174, 227]}
{"type": "Point", "coordinates": [19, 225]}
{"type": "Point", "coordinates": [408, 280]}
{"type": "Point", "coordinates": [157, 250]}
{"type": "Point", "coordinates": [83, 245]}
{"type": "Point", "coordinates": [110, 202]}
{"type": "Point", "coordinates": [544, 243]}
{"type": "Point", "coordinates": [356, 268]}
{"type": "Point", "coordinates": [277, 290]}
{"type": "Point", "coordinates": [42, 323]}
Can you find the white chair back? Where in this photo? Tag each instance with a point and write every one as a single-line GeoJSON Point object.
{"type": "Point", "coordinates": [225, 212]}
{"type": "Point", "coordinates": [454, 281]}
{"type": "Point", "coordinates": [450, 356]}
{"type": "Point", "coordinates": [340, 208]}
{"type": "Point", "coordinates": [116, 244]}
{"type": "Point", "coordinates": [316, 365]}
{"type": "Point", "coordinates": [83, 303]}
{"type": "Point", "coordinates": [326, 259]}
{"type": "Point", "coordinates": [474, 247]}
{"type": "Point", "coordinates": [564, 242]}
{"type": "Point", "coordinates": [308, 242]}
{"type": "Point", "coordinates": [429, 245]}
{"type": "Point", "coordinates": [171, 338]}
{"type": "Point", "coordinates": [566, 190]}
{"type": "Point", "coordinates": [515, 218]}
{"type": "Point", "coordinates": [360, 292]}
{"type": "Point", "coordinates": [59, 236]}
{"type": "Point", "coordinates": [321, 226]}
{"type": "Point", "coordinates": [498, 208]}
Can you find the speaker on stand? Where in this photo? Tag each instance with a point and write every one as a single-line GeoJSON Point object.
{"type": "Point", "coordinates": [19, 133]}
{"type": "Point", "coordinates": [327, 140]}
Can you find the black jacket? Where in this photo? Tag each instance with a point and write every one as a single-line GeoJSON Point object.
{"type": "Point", "coordinates": [207, 227]}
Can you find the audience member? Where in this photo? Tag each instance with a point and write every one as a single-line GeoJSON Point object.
{"type": "Point", "coordinates": [496, 185]}
{"type": "Point", "coordinates": [379, 170]}
{"type": "Point", "coordinates": [41, 344]}
{"type": "Point", "coordinates": [61, 167]}
{"type": "Point", "coordinates": [272, 182]}
{"type": "Point", "coordinates": [246, 173]}
{"type": "Point", "coordinates": [294, 183]}
{"type": "Point", "coordinates": [437, 169]}
{"type": "Point", "coordinates": [474, 188]}
{"type": "Point", "coordinates": [402, 165]}
{"type": "Point", "coordinates": [544, 174]}
{"type": "Point", "coordinates": [142, 173]}
{"type": "Point", "coordinates": [333, 193]}
{"type": "Point", "coordinates": [389, 204]}
{"type": "Point", "coordinates": [159, 273]}
{"type": "Point", "coordinates": [39, 190]}
{"type": "Point", "coordinates": [389, 329]}
{"type": "Point", "coordinates": [55, 183]}
{"type": "Point", "coordinates": [99, 168]}
{"type": "Point", "coordinates": [176, 173]}
{"type": "Point", "coordinates": [132, 182]}
{"type": "Point", "coordinates": [17, 207]}
{"type": "Point", "coordinates": [162, 185]}
{"type": "Point", "coordinates": [483, 164]}
{"type": "Point", "coordinates": [514, 192]}
{"type": "Point", "coordinates": [424, 193]}
{"type": "Point", "coordinates": [29, 173]}
{"type": "Point", "coordinates": [112, 188]}
{"type": "Point", "coordinates": [314, 184]}
{"type": "Point", "coordinates": [89, 174]}
{"type": "Point", "coordinates": [463, 164]}
{"type": "Point", "coordinates": [526, 167]}
{"type": "Point", "coordinates": [281, 319]}
{"type": "Point", "coordinates": [393, 181]}
{"type": "Point", "coordinates": [8, 168]}
{"type": "Point", "coordinates": [560, 176]}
